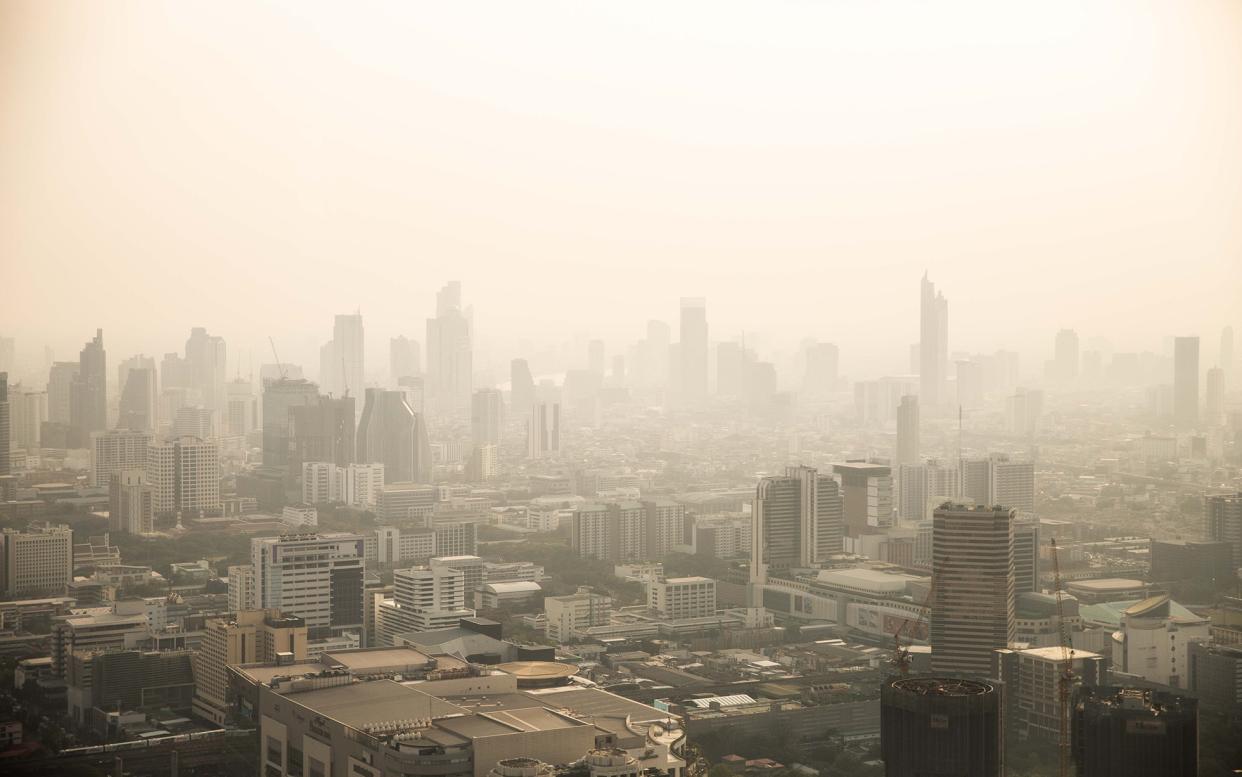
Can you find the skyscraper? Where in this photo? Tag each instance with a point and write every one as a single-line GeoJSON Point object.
{"type": "Point", "coordinates": [908, 431]}
{"type": "Point", "coordinates": [131, 502]}
{"type": "Point", "coordinates": [279, 397]}
{"type": "Point", "coordinates": [693, 351]}
{"type": "Point", "coordinates": [316, 577]}
{"type": "Point", "coordinates": [341, 368]}
{"type": "Point", "coordinates": [1065, 356]}
{"type": "Point", "coordinates": [931, 726]}
{"type": "Point", "coordinates": [521, 387]}
{"type": "Point", "coordinates": [1222, 522]}
{"type": "Point", "coordinates": [933, 345]}
{"type": "Point", "coordinates": [450, 353]}
{"type": "Point", "coordinates": [1134, 732]}
{"type": "Point", "coordinates": [1226, 353]}
{"type": "Point", "coordinates": [798, 519]}
{"type": "Point", "coordinates": [60, 382]}
{"type": "Point", "coordinates": [1186, 382]}
{"type": "Point", "coordinates": [1214, 397]}
{"type": "Point", "coordinates": [974, 599]}
{"type": "Point", "coordinates": [543, 430]}
{"type": "Point", "coordinates": [115, 451]}
{"type": "Point", "coordinates": [867, 490]}
{"type": "Point", "coordinates": [6, 428]}
{"type": "Point", "coordinates": [207, 358]}
{"type": "Point", "coordinates": [486, 407]}
{"type": "Point", "coordinates": [139, 398]}
{"type": "Point", "coordinates": [404, 359]}
{"type": "Point", "coordinates": [184, 474]}
{"type": "Point", "coordinates": [322, 430]}
{"type": "Point", "coordinates": [88, 393]}
{"type": "Point", "coordinates": [392, 434]}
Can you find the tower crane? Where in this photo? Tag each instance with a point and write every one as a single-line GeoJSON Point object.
{"type": "Point", "coordinates": [279, 367]}
{"type": "Point", "coordinates": [1065, 681]}
{"type": "Point", "coordinates": [901, 653]}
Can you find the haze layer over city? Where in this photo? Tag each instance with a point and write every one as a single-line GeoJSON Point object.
{"type": "Point", "coordinates": [693, 390]}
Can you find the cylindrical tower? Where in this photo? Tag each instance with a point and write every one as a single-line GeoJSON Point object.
{"type": "Point", "coordinates": [940, 726]}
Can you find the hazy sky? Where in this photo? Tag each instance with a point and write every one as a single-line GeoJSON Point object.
{"type": "Point", "coordinates": [255, 167]}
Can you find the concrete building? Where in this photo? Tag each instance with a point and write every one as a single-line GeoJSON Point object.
{"type": "Point", "coordinates": [185, 475]}
{"type": "Point", "coordinates": [610, 532]}
{"type": "Point", "coordinates": [105, 683]}
{"type": "Point", "coordinates": [1154, 640]}
{"type": "Point", "coordinates": [323, 430]}
{"type": "Point", "coordinates": [207, 358]}
{"type": "Point", "coordinates": [682, 597]}
{"type": "Point", "coordinates": [392, 434]}
{"type": "Point", "coordinates": [1134, 732]}
{"type": "Point", "coordinates": [1032, 682]}
{"type": "Point", "coordinates": [88, 393]}
{"type": "Point", "coordinates": [1215, 675]}
{"type": "Point", "coordinates": [798, 522]}
{"type": "Point", "coordinates": [491, 596]}
{"type": "Point", "coordinates": [1222, 519]}
{"type": "Point", "coordinates": [405, 359]}
{"type": "Point", "coordinates": [139, 398]}
{"type": "Point", "coordinates": [486, 417]}
{"type": "Point", "coordinates": [131, 503]}
{"type": "Point", "coordinates": [666, 527]}
{"type": "Point", "coordinates": [543, 430]}
{"type": "Point", "coordinates": [974, 600]}
{"type": "Point", "coordinates": [35, 563]}
{"type": "Point", "coordinates": [867, 491]}
{"type": "Point", "coordinates": [128, 630]}
{"type": "Point", "coordinates": [117, 450]}
{"type": "Point", "coordinates": [924, 486]}
{"type": "Point", "coordinates": [936, 725]}
{"type": "Point", "coordinates": [457, 539]}
{"type": "Point", "coordinates": [405, 502]}
{"type": "Point", "coordinates": [317, 577]}
{"type": "Point", "coordinates": [933, 345]}
{"type": "Point", "coordinates": [908, 431]}
{"type": "Point", "coordinates": [450, 353]}
{"type": "Point", "coordinates": [1186, 382]}
{"type": "Point", "coordinates": [244, 637]}
{"type": "Point", "coordinates": [471, 568]}
{"type": "Point", "coordinates": [424, 598]}
{"type": "Point", "coordinates": [568, 616]}
{"type": "Point", "coordinates": [279, 397]}
{"type": "Point", "coordinates": [341, 359]}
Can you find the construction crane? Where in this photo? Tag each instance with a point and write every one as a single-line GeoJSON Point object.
{"type": "Point", "coordinates": [279, 367]}
{"type": "Point", "coordinates": [1066, 679]}
{"type": "Point", "coordinates": [901, 653]}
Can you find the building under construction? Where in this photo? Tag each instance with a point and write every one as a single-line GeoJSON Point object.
{"type": "Point", "coordinates": [939, 725]}
{"type": "Point", "coordinates": [1135, 732]}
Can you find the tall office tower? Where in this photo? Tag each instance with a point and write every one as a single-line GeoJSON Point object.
{"type": "Point", "coordinates": [521, 387]}
{"type": "Point", "coordinates": [1186, 382]}
{"type": "Point", "coordinates": [730, 370]}
{"type": "Point", "coordinates": [88, 394]}
{"type": "Point", "coordinates": [449, 353]}
{"type": "Point", "coordinates": [908, 430]}
{"type": "Point", "coordinates": [693, 351]}
{"type": "Point", "coordinates": [6, 427]}
{"type": "Point", "coordinates": [414, 387]}
{"type": "Point", "coordinates": [596, 357]}
{"type": "Point", "coordinates": [922, 487]}
{"type": "Point", "coordinates": [822, 370]}
{"type": "Point", "coordinates": [279, 396]}
{"type": "Point", "coordinates": [176, 372]}
{"type": "Point", "coordinates": [392, 434]}
{"type": "Point", "coordinates": [486, 414]}
{"type": "Point", "coordinates": [35, 563]}
{"type": "Point", "coordinates": [798, 521]}
{"type": "Point", "coordinates": [243, 415]}
{"type": "Point", "coordinates": [867, 491]}
{"type": "Point", "coordinates": [1214, 399]}
{"type": "Point", "coordinates": [1025, 555]}
{"type": "Point", "coordinates": [941, 726]}
{"type": "Point", "coordinates": [117, 450]}
{"type": "Point", "coordinates": [1134, 732]}
{"type": "Point", "coordinates": [543, 430]}
{"type": "Point", "coordinates": [131, 502]}
{"type": "Point", "coordinates": [60, 382]}
{"type": "Point", "coordinates": [933, 345]}
{"type": "Point", "coordinates": [241, 637]}
{"type": "Point", "coordinates": [322, 431]}
{"type": "Point", "coordinates": [404, 359]}
{"type": "Point", "coordinates": [1065, 356]}
{"type": "Point", "coordinates": [1011, 484]}
{"type": "Point", "coordinates": [973, 565]}
{"type": "Point", "coordinates": [208, 362]}
{"type": "Point", "coordinates": [1222, 522]}
{"type": "Point", "coordinates": [651, 357]}
{"type": "Point", "coordinates": [139, 397]}
{"type": "Point", "coordinates": [1226, 353]}
{"type": "Point", "coordinates": [975, 479]}
{"type": "Point", "coordinates": [27, 412]}
{"type": "Point", "coordinates": [185, 475]}
{"type": "Point", "coordinates": [316, 577]}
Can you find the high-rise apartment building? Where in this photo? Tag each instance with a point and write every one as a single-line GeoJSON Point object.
{"type": "Point", "coordinates": [799, 520]}
{"type": "Point", "coordinates": [666, 527]}
{"type": "Point", "coordinates": [185, 475]}
{"type": "Point", "coordinates": [1186, 382]}
{"type": "Point", "coordinates": [243, 408]}
{"type": "Point", "coordinates": [692, 351]}
{"type": "Point", "coordinates": [543, 430]}
{"type": "Point", "coordinates": [241, 637]}
{"type": "Point", "coordinates": [450, 357]}
{"type": "Point", "coordinates": [131, 502]}
{"type": "Point", "coordinates": [392, 434]}
{"type": "Point", "coordinates": [1025, 555]}
{"type": "Point", "coordinates": [88, 393]}
{"type": "Point", "coordinates": [35, 563]}
{"type": "Point", "coordinates": [27, 414]}
{"type": "Point", "coordinates": [280, 396]}
{"type": "Point", "coordinates": [341, 364]}
{"type": "Point", "coordinates": [974, 599]}
{"type": "Point", "coordinates": [521, 387]}
{"type": "Point", "coordinates": [139, 398]}
{"type": "Point", "coordinates": [117, 450]}
{"type": "Point", "coordinates": [60, 382]}
{"type": "Point", "coordinates": [921, 487]}
{"type": "Point", "coordinates": [1012, 484]}
{"type": "Point", "coordinates": [317, 577]}
{"type": "Point", "coordinates": [933, 345]}
{"type": "Point", "coordinates": [908, 431]}
{"type": "Point", "coordinates": [611, 532]}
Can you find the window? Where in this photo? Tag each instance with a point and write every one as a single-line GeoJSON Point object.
{"type": "Point", "coordinates": [275, 751]}
{"type": "Point", "coordinates": [316, 767]}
